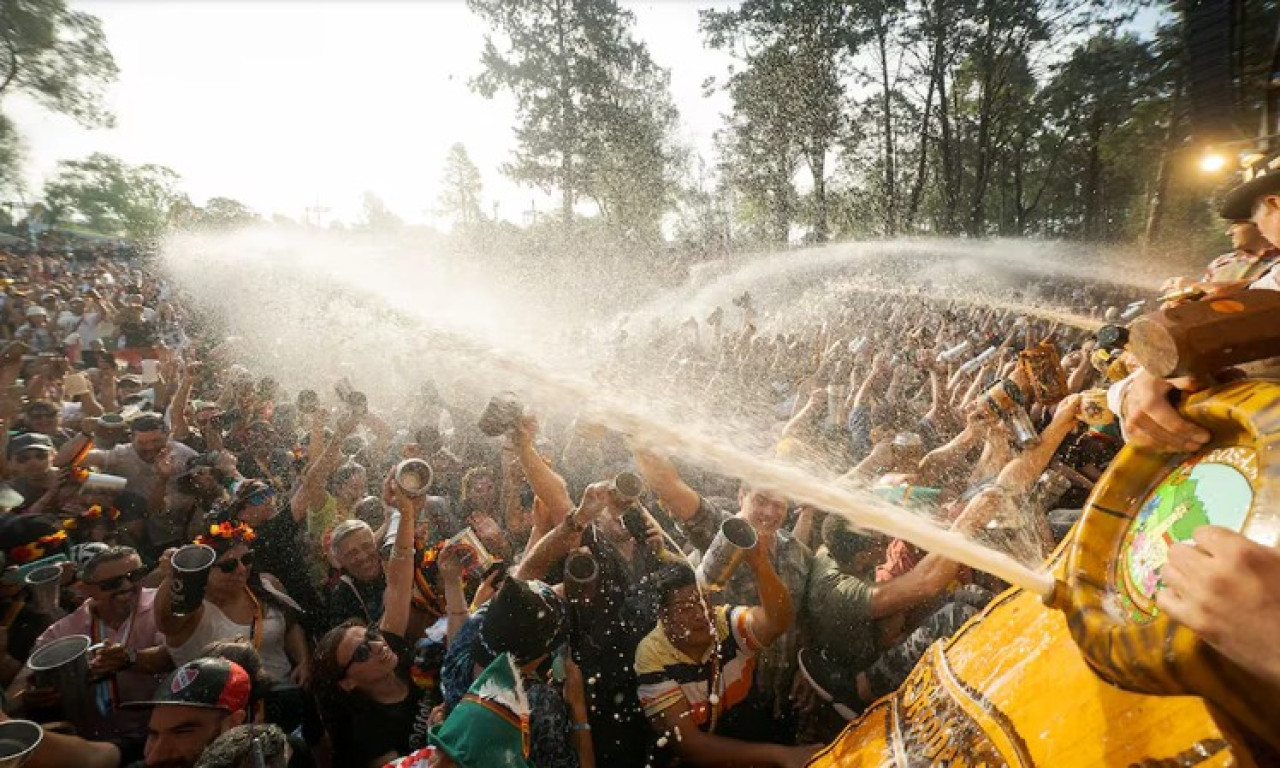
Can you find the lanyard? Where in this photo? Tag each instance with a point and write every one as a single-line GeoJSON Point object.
{"type": "Point", "coordinates": [108, 691]}
{"type": "Point", "coordinates": [258, 628]}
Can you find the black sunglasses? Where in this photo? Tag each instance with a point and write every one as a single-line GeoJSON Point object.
{"type": "Point", "coordinates": [229, 566]}
{"type": "Point", "coordinates": [115, 582]}
{"type": "Point", "coordinates": [364, 650]}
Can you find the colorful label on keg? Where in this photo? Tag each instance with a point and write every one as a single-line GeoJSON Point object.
{"type": "Point", "coordinates": [1213, 489]}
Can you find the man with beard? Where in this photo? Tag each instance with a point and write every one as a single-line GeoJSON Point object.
{"type": "Point", "coordinates": [151, 463]}
{"type": "Point", "coordinates": [118, 614]}
{"type": "Point", "coordinates": [196, 703]}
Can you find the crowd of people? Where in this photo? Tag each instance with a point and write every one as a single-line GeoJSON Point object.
{"type": "Point", "coordinates": [561, 596]}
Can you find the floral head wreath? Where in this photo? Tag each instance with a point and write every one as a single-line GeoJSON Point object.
{"type": "Point", "coordinates": [35, 550]}
{"type": "Point", "coordinates": [90, 516]}
{"type": "Point", "coordinates": [226, 533]}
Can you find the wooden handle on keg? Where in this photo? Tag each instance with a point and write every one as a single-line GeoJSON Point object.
{"type": "Point", "coordinates": [1201, 337]}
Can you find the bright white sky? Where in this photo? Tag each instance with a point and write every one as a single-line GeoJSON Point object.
{"type": "Point", "coordinates": [285, 105]}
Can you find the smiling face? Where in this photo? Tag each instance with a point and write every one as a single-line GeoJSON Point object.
{"type": "Point", "coordinates": [765, 511]}
{"type": "Point", "coordinates": [110, 586]}
{"type": "Point", "coordinates": [357, 554]}
{"type": "Point", "coordinates": [366, 657]}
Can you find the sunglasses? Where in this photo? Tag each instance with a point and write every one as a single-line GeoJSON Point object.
{"type": "Point", "coordinates": [116, 582]}
{"type": "Point", "coordinates": [229, 566]}
{"type": "Point", "coordinates": [261, 497]}
{"type": "Point", "coordinates": [364, 650]}
{"type": "Point", "coordinates": [24, 456]}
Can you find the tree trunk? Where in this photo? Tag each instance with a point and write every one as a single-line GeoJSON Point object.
{"type": "Point", "coordinates": [922, 167]}
{"type": "Point", "coordinates": [567, 182]}
{"type": "Point", "coordinates": [886, 125]}
{"type": "Point", "coordinates": [1092, 179]}
{"type": "Point", "coordinates": [1155, 213]}
{"type": "Point", "coordinates": [818, 170]}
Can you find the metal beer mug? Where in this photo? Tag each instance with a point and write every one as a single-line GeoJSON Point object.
{"type": "Point", "coordinates": [45, 584]}
{"type": "Point", "coordinates": [727, 550]}
{"type": "Point", "coordinates": [18, 741]}
{"type": "Point", "coordinates": [413, 476]}
{"type": "Point", "coordinates": [64, 665]}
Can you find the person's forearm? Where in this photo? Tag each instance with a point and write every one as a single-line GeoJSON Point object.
{"type": "Point", "coordinates": [546, 483]}
{"type": "Point", "coordinates": [774, 599]}
{"type": "Point", "coordinates": [664, 479]}
{"type": "Point", "coordinates": [1020, 474]}
{"type": "Point", "coordinates": [153, 661]}
{"type": "Point", "coordinates": [295, 646]}
{"type": "Point", "coordinates": [397, 597]}
{"type": "Point", "coordinates": [801, 418]}
{"type": "Point", "coordinates": [585, 749]}
{"type": "Point", "coordinates": [549, 550]}
{"type": "Point", "coordinates": [941, 462]}
{"type": "Point", "coordinates": [707, 750]}
{"type": "Point", "coordinates": [178, 419]}
{"type": "Point", "coordinates": [455, 605]}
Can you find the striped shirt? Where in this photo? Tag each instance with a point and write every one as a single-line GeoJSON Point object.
{"type": "Point", "coordinates": [666, 675]}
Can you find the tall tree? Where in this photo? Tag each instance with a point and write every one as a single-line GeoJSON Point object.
{"type": "Point", "coordinates": [461, 188]}
{"type": "Point", "coordinates": [795, 53]}
{"type": "Point", "coordinates": [113, 197]}
{"type": "Point", "coordinates": [377, 217]}
{"type": "Point", "coordinates": [580, 80]}
{"type": "Point", "coordinates": [57, 56]}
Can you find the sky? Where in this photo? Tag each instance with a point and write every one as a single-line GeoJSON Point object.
{"type": "Point", "coordinates": [294, 105]}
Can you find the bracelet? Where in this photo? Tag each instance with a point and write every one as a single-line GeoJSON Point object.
{"type": "Point", "coordinates": [578, 727]}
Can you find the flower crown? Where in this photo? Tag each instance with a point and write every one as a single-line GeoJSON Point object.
{"type": "Point", "coordinates": [225, 532]}
{"type": "Point", "coordinates": [30, 552]}
{"type": "Point", "coordinates": [91, 515]}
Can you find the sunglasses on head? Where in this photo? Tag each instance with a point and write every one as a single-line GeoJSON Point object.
{"type": "Point", "coordinates": [364, 650]}
{"type": "Point", "coordinates": [229, 565]}
{"type": "Point", "coordinates": [261, 497]}
{"type": "Point", "coordinates": [116, 582]}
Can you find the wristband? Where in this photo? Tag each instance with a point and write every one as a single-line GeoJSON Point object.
{"type": "Point", "coordinates": [577, 727]}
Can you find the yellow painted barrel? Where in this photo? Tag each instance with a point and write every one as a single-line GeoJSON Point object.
{"type": "Point", "coordinates": [1106, 680]}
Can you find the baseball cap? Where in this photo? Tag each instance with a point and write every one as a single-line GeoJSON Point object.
{"type": "Point", "coordinates": [36, 309]}
{"type": "Point", "coordinates": [30, 440]}
{"type": "Point", "coordinates": [203, 683]}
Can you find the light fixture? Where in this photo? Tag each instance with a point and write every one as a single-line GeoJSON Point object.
{"type": "Point", "coordinates": [1212, 162]}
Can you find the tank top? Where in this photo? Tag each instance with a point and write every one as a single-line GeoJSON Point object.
{"type": "Point", "coordinates": [215, 625]}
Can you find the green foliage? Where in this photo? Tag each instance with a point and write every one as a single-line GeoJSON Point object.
{"type": "Point", "coordinates": [10, 159]}
{"type": "Point", "coordinates": [57, 56]}
{"type": "Point", "coordinates": [593, 113]}
{"type": "Point", "coordinates": [113, 197]}
{"type": "Point", "coordinates": [224, 213]}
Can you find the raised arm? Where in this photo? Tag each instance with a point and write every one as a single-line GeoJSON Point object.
{"type": "Point", "coordinates": [1019, 475]}
{"type": "Point", "coordinates": [562, 539]}
{"type": "Point", "coordinates": [664, 479]}
{"type": "Point", "coordinates": [776, 612]}
{"type": "Point", "coordinates": [310, 495]}
{"type": "Point", "coordinates": [547, 485]}
{"type": "Point", "coordinates": [398, 595]}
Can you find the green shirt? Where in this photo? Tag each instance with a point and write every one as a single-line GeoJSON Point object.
{"type": "Point", "coordinates": [837, 613]}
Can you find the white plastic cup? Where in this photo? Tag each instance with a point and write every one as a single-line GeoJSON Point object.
{"type": "Point", "coordinates": [150, 371]}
